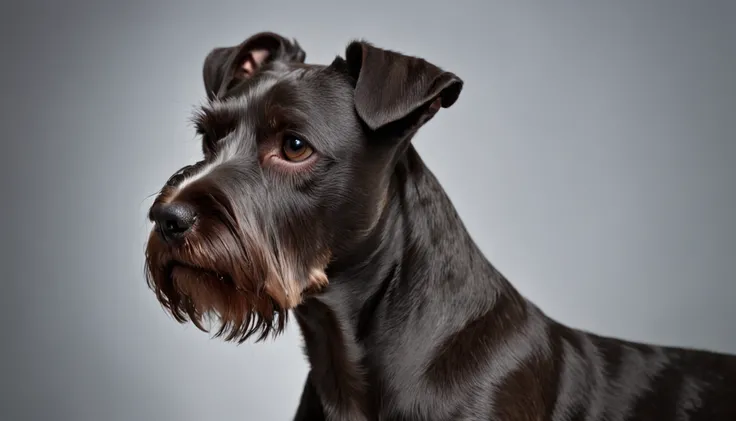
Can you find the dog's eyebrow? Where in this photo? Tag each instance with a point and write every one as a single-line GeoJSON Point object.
{"type": "Point", "coordinates": [215, 120]}
{"type": "Point", "coordinates": [222, 115]}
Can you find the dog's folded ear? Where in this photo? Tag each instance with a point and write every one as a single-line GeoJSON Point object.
{"type": "Point", "coordinates": [225, 66]}
{"type": "Point", "coordinates": [391, 87]}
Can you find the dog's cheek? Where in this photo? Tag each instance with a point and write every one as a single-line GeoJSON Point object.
{"type": "Point", "coordinates": [297, 274]}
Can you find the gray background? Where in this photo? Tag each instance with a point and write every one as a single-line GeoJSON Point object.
{"type": "Point", "coordinates": [591, 155]}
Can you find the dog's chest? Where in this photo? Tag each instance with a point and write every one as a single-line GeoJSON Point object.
{"type": "Point", "coordinates": [364, 373]}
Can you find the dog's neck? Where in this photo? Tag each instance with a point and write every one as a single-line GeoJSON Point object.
{"type": "Point", "coordinates": [421, 247]}
{"type": "Point", "coordinates": [418, 271]}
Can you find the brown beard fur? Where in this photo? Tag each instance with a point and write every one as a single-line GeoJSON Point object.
{"type": "Point", "coordinates": [227, 270]}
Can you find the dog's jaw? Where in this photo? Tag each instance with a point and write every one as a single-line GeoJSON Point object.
{"type": "Point", "coordinates": [247, 285]}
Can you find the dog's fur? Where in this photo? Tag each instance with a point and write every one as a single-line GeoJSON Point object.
{"type": "Point", "coordinates": [403, 318]}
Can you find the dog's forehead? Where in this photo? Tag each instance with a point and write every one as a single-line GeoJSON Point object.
{"type": "Point", "coordinates": [241, 100]}
{"type": "Point", "coordinates": [312, 98]}
{"type": "Point", "coordinates": [294, 82]}
{"type": "Point", "coordinates": [292, 74]}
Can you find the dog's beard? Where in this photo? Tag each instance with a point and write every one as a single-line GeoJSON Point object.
{"type": "Point", "coordinates": [232, 270]}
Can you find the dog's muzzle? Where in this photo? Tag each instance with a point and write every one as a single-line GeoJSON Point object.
{"type": "Point", "coordinates": [173, 220]}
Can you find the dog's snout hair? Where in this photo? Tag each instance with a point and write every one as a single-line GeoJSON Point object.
{"type": "Point", "coordinates": [232, 265]}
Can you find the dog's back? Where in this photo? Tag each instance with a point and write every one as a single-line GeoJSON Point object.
{"type": "Point", "coordinates": [606, 378]}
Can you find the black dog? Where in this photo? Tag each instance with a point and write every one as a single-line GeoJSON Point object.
{"type": "Point", "coordinates": [312, 200]}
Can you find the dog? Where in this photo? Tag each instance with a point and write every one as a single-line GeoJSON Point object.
{"type": "Point", "coordinates": [311, 202]}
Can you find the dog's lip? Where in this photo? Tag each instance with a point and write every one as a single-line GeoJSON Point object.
{"type": "Point", "coordinates": [195, 268]}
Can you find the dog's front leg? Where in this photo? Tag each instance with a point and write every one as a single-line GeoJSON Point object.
{"type": "Point", "coordinates": [310, 406]}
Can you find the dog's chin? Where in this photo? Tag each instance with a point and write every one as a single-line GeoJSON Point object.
{"type": "Point", "coordinates": [246, 287]}
{"type": "Point", "coordinates": [206, 297]}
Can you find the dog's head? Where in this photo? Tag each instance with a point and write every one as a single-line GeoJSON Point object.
{"type": "Point", "coordinates": [295, 175]}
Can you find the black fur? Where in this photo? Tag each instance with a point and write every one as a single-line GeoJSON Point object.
{"type": "Point", "coordinates": [414, 322]}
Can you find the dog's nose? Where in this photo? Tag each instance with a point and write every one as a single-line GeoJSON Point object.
{"type": "Point", "coordinates": [173, 219]}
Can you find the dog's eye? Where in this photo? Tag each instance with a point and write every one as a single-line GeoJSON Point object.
{"type": "Point", "coordinates": [295, 149]}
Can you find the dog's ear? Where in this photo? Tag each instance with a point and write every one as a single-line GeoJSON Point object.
{"type": "Point", "coordinates": [225, 66]}
{"type": "Point", "coordinates": [391, 86]}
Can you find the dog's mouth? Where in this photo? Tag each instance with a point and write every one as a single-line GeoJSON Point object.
{"type": "Point", "coordinates": [181, 270]}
